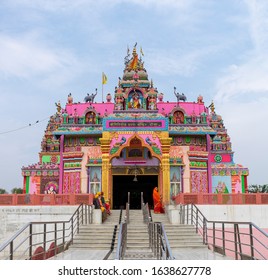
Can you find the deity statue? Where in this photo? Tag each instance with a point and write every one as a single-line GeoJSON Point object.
{"type": "Point", "coordinates": [119, 102]}
{"type": "Point", "coordinates": [152, 103]}
{"type": "Point", "coordinates": [134, 102]}
{"type": "Point", "coordinates": [58, 107]}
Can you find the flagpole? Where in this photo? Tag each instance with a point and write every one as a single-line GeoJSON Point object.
{"type": "Point", "coordinates": [102, 87]}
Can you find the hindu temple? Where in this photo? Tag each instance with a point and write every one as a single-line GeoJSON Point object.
{"type": "Point", "coordinates": [134, 141]}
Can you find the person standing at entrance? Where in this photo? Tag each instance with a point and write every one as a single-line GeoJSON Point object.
{"type": "Point", "coordinates": [158, 207]}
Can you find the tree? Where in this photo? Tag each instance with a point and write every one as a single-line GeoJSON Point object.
{"type": "Point", "coordinates": [17, 190]}
{"type": "Point", "coordinates": [3, 191]}
{"type": "Point", "coordinates": [258, 188]}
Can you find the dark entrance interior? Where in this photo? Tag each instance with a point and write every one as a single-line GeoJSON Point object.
{"type": "Point", "coordinates": [124, 184]}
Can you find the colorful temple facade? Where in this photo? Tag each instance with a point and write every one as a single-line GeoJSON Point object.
{"type": "Point", "coordinates": [135, 143]}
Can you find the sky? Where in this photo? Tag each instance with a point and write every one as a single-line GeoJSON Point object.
{"type": "Point", "coordinates": [48, 49]}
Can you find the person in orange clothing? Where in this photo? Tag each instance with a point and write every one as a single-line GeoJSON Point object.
{"type": "Point", "coordinates": [105, 204]}
{"type": "Point", "coordinates": [158, 207]}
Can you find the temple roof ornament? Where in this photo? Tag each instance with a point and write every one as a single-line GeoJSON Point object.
{"type": "Point", "coordinates": [212, 107]}
{"type": "Point", "coordinates": [90, 97]}
{"type": "Point", "coordinates": [179, 96]}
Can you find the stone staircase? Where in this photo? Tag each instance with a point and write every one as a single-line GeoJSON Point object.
{"type": "Point", "coordinates": [97, 236]}
{"type": "Point", "coordinates": [179, 236]}
{"type": "Point", "coordinates": [137, 238]}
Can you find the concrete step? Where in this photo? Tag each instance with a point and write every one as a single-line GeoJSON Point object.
{"type": "Point", "coordinates": [92, 246]}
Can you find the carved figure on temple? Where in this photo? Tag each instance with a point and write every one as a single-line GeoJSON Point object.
{"type": "Point", "coordinates": [70, 99]}
{"type": "Point", "coordinates": [75, 116]}
{"type": "Point", "coordinates": [58, 107]}
{"type": "Point", "coordinates": [152, 102]}
{"type": "Point", "coordinates": [200, 99]}
{"type": "Point", "coordinates": [178, 117]}
{"type": "Point", "coordinates": [119, 102]}
{"type": "Point", "coordinates": [134, 102]}
{"type": "Point", "coordinates": [160, 96]}
{"type": "Point", "coordinates": [108, 97]}
{"type": "Point", "coordinates": [90, 97]}
{"type": "Point", "coordinates": [90, 118]}
{"type": "Point", "coordinates": [179, 96]}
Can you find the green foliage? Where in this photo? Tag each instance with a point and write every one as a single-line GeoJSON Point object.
{"type": "Point", "coordinates": [3, 191]}
{"type": "Point", "coordinates": [258, 188]}
{"type": "Point", "coordinates": [17, 190]}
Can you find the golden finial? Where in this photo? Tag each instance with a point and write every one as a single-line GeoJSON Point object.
{"type": "Point", "coordinates": [212, 107]}
{"type": "Point", "coordinates": [134, 52]}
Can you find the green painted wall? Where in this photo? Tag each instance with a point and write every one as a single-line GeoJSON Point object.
{"type": "Point", "coordinates": [27, 184]}
{"type": "Point", "coordinates": [47, 159]}
{"type": "Point", "coordinates": [243, 183]}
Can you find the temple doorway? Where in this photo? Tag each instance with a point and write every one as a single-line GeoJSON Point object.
{"type": "Point", "coordinates": [122, 184]}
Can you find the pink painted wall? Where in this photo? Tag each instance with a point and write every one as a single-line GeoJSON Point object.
{"type": "Point", "coordinates": [101, 108]}
{"type": "Point", "coordinates": [108, 107]}
{"type": "Point", "coordinates": [244, 239]}
{"type": "Point", "coordinates": [189, 107]}
{"type": "Point", "coordinates": [34, 184]}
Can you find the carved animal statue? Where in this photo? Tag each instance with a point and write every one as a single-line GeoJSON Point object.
{"type": "Point", "coordinates": [179, 96]}
{"type": "Point", "coordinates": [90, 97]}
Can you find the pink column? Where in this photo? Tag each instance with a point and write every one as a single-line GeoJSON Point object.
{"type": "Point", "coordinates": [61, 163]}
{"type": "Point", "coordinates": [209, 165]}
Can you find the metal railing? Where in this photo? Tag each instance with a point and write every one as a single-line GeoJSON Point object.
{"type": "Point", "coordinates": [158, 239]}
{"type": "Point", "coordinates": [127, 213]}
{"type": "Point", "coordinates": [112, 244]}
{"type": "Point", "coordinates": [159, 242]}
{"type": "Point", "coordinates": [42, 240]}
{"type": "Point", "coordinates": [241, 240]}
{"type": "Point", "coordinates": [126, 220]}
{"type": "Point", "coordinates": [122, 242]}
{"type": "Point", "coordinates": [147, 217]}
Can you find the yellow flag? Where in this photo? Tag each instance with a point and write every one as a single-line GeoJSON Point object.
{"type": "Point", "coordinates": [134, 62]}
{"type": "Point", "coordinates": [104, 79]}
{"type": "Point", "coordinates": [141, 52]}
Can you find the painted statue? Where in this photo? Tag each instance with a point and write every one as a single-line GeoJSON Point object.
{"type": "Point", "coordinates": [179, 96]}
{"type": "Point", "coordinates": [70, 99]}
{"type": "Point", "coordinates": [152, 103]}
{"type": "Point", "coordinates": [90, 97]}
{"type": "Point", "coordinates": [134, 102]}
{"type": "Point", "coordinates": [119, 102]}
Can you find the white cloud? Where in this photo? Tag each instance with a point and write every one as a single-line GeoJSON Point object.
{"type": "Point", "coordinates": [258, 23]}
{"type": "Point", "coordinates": [250, 76]}
{"type": "Point", "coordinates": [25, 58]}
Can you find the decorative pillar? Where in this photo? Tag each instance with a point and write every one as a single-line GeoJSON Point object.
{"type": "Point", "coordinates": [61, 167]}
{"type": "Point", "coordinates": [209, 165]}
{"type": "Point", "coordinates": [165, 145]}
{"type": "Point", "coordinates": [88, 180]}
{"type": "Point", "coordinates": [105, 149]}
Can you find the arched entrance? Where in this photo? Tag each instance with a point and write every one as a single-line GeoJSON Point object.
{"type": "Point", "coordinates": [122, 184]}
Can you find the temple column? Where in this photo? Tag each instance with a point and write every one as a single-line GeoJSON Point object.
{"type": "Point", "coordinates": [209, 164]}
{"type": "Point", "coordinates": [165, 165]}
{"type": "Point", "coordinates": [105, 149]}
{"type": "Point", "coordinates": [61, 167]}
